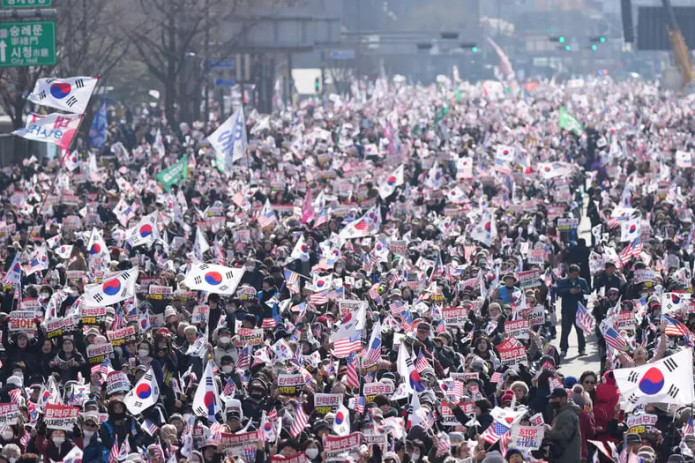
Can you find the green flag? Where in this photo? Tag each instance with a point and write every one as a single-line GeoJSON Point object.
{"type": "Point", "coordinates": [441, 114]}
{"type": "Point", "coordinates": [569, 122]}
{"type": "Point", "coordinates": [174, 174]}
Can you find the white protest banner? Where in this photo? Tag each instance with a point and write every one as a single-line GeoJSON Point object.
{"type": "Point", "coordinates": [536, 257]}
{"type": "Point", "coordinates": [372, 390]}
{"type": "Point", "coordinates": [535, 315]}
{"type": "Point", "coordinates": [643, 276]}
{"type": "Point", "coordinates": [529, 278]}
{"type": "Point", "coordinates": [336, 447]}
{"type": "Point", "coordinates": [97, 353]}
{"type": "Point", "coordinates": [643, 419]}
{"type": "Point", "coordinates": [347, 307]}
{"type": "Point", "coordinates": [527, 437]}
{"type": "Point", "coordinates": [59, 326]}
{"type": "Point", "coordinates": [249, 336]}
{"type": "Point", "coordinates": [517, 328]}
{"type": "Point", "coordinates": [233, 440]}
{"type": "Point", "coordinates": [290, 384]}
{"type": "Point", "coordinates": [201, 314]}
{"type": "Point", "coordinates": [537, 420]}
{"type": "Point", "coordinates": [626, 320]}
{"type": "Point", "coordinates": [118, 337]}
{"type": "Point", "coordinates": [117, 381]}
{"type": "Point", "coordinates": [327, 403]}
{"type": "Point", "coordinates": [9, 414]}
{"type": "Point", "coordinates": [93, 315]}
{"type": "Point", "coordinates": [454, 316]}
{"type": "Point", "coordinates": [60, 417]}
{"type": "Point", "coordinates": [512, 352]}
{"type": "Point", "coordinates": [24, 321]}
{"type": "Point", "coordinates": [299, 458]}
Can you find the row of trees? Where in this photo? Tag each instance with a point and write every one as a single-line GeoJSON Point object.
{"type": "Point", "coordinates": [135, 41]}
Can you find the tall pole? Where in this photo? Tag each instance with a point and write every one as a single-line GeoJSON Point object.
{"type": "Point", "coordinates": [206, 117]}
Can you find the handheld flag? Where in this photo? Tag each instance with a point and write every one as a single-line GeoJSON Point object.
{"type": "Point", "coordinates": [206, 401]}
{"type": "Point", "coordinates": [229, 140]}
{"type": "Point", "coordinates": [143, 395]}
{"type": "Point", "coordinates": [97, 133]}
{"type": "Point", "coordinates": [71, 95]}
{"type": "Point", "coordinates": [58, 129]}
{"type": "Point", "coordinates": [115, 289]}
{"type": "Point", "coordinates": [213, 278]}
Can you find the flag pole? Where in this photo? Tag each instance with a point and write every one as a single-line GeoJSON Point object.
{"type": "Point", "coordinates": [60, 163]}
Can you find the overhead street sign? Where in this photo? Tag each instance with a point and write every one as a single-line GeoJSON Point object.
{"type": "Point", "coordinates": [225, 82]}
{"type": "Point", "coordinates": [26, 3]}
{"type": "Point", "coordinates": [27, 43]}
{"type": "Point", "coordinates": [220, 64]}
{"type": "Point", "coordinates": [342, 54]}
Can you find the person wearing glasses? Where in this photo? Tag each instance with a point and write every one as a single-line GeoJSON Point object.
{"type": "Point", "coordinates": [89, 442]}
{"type": "Point", "coordinates": [588, 380]}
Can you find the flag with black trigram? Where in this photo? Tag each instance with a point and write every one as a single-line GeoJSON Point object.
{"type": "Point", "coordinates": [213, 278]}
{"type": "Point", "coordinates": [71, 94]}
{"type": "Point", "coordinates": [669, 380]}
{"type": "Point", "coordinates": [115, 288]}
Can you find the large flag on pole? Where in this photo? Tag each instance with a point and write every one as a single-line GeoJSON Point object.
{"type": "Point", "coordinates": [569, 122]}
{"type": "Point", "coordinates": [97, 133]}
{"type": "Point", "coordinates": [669, 380]}
{"type": "Point", "coordinates": [143, 395]}
{"type": "Point", "coordinates": [206, 401]}
{"type": "Point", "coordinates": [213, 278]}
{"type": "Point", "coordinates": [71, 94]}
{"type": "Point", "coordinates": [115, 289]}
{"type": "Point", "coordinates": [55, 128]}
{"type": "Point", "coordinates": [229, 140]}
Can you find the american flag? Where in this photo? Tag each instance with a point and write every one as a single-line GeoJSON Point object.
{"type": "Point", "coordinates": [15, 395]}
{"type": "Point", "coordinates": [584, 319]}
{"type": "Point", "coordinates": [374, 353]}
{"type": "Point", "coordinates": [353, 379]}
{"type": "Point", "coordinates": [374, 292]}
{"type": "Point", "coordinates": [343, 347]}
{"type": "Point", "coordinates": [268, 323]}
{"type": "Point", "coordinates": [493, 433]}
{"type": "Point", "coordinates": [441, 327]}
{"type": "Point", "coordinates": [244, 360]}
{"type": "Point", "coordinates": [611, 336]}
{"type": "Point", "coordinates": [421, 363]}
{"type": "Point", "coordinates": [322, 218]}
{"type": "Point", "coordinates": [504, 441]}
{"type": "Point", "coordinates": [300, 421]}
{"type": "Point", "coordinates": [359, 404]}
{"type": "Point", "coordinates": [688, 427]}
{"type": "Point", "coordinates": [444, 445]}
{"type": "Point", "coordinates": [319, 298]}
{"type": "Point", "coordinates": [395, 306]}
{"type": "Point", "coordinates": [229, 388]}
{"type": "Point", "coordinates": [633, 249]}
{"type": "Point", "coordinates": [291, 277]}
{"type": "Point", "coordinates": [113, 456]}
{"type": "Point", "coordinates": [149, 427]}
{"type": "Point", "coordinates": [674, 327]}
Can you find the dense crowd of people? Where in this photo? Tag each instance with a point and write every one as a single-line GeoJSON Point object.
{"type": "Point", "coordinates": [391, 276]}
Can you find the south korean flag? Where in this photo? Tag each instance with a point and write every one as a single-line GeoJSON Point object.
{"type": "Point", "coordinates": [669, 381]}
{"type": "Point", "coordinates": [213, 278]}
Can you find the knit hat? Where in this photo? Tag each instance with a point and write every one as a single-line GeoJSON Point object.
{"type": "Point", "coordinates": [493, 457]}
{"type": "Point", "coordinates": [507, 398]}
{"type": "Point", "coordinates": [578, 396]}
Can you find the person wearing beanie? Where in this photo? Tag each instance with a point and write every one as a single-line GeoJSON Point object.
{"type": "Point", "coordinates": [514, 455]}
{"type": "Point", "coordinates": [521, 390]}
{"type": "Point", "coordinates": [587, 424]}
{"type": "Point", "coordinates": [493, 457]}
{"type": "Point", "coordinates": [507, 398]}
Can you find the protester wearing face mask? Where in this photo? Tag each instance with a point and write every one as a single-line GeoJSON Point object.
{"type": "Point", "coordinates": [89, 442]}
{"type": "Point", "coordinates": [11, 452]}
{"type": "Point", "coordinates": [313, 450]}
{"type": "Point", "coordinates": [68, 362]}
{"type": "Point", "coordinates": [257, 400]}
{"type": "Point", "coordinates": [252, 276]}
{"type": "Point", "coordinates": [55, 447]}
{"type": "Point", "coordinates": [224, 347]}
{"type": "Point", "coordinates": [121, 425]}
{"type": "Point", "coordinates": [564, 434]}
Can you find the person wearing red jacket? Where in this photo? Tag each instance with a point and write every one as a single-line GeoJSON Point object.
{"type": "Point", "coordinates": [587, 424]}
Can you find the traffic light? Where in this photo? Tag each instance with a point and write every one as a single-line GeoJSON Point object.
{"type": "Point", "coordinates": [474, 49]}
{"type": "Point", "coordinates": [568, 48]}
{"type": "Point", "coordinates": [602, 39]}
{"type": "Point", "coordinates": [317, 85]}
{"type": "Point", "coordinates": [470, 46]}
{"type": "Point", "coordinates": [561, 39]}
{"type": "Point", "coordinates": [449, 35]}
{"type": "Point", "coordinates": [594, 47]}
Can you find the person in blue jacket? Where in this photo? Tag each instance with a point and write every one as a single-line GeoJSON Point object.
{"type": "Point", "coordinates": [572, 290]}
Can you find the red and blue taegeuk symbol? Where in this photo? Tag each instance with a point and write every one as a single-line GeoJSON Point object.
{"type": "Point", "coordinates": [111, 287]}
{"type": "Point", "coordinates": [416, 382]}
{"type": "Point", "coordinates": [143, 391]}
{"type": "Point", "coordinates": [633, 228]}
{"type": "Point", "coordinates": [652, 382]}
{"type": "Point", "coordinates": [60, 90]}
{"type": "Point", "coordinates": [488, 227]}
{"type": "Point", "coordinates": [213, 278]}
{"type": "Point", "coordinates": [320, 283]}
{"type": "Point", "coordinates": [146, 230]}
{"type": "Point", "coordinates": [95, 249]}
{"type": "Point", "coordinates": [339, 418]}
{"type": "Point", "coordinates": [391, 180]}
{"type": "Point", "coordinates": [209, 401]}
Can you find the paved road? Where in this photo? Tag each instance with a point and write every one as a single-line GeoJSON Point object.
{"type": "Point", "coordinates": [573, 365]}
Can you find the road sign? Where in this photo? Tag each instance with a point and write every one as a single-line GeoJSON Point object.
{"type": "Point", "coordinates": [342, 54]}
{"type": "Point", "coordinates": [25, 3]}
{"type": "Point", "coordinates": [220, 64]}
{"type": "Point", "coordinates": [225, 82]}
{"type": "Point", "coordinates": [30, 43]}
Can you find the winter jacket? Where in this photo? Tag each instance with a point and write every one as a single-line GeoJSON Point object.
{"type": "Point", "coordinates": [566, 446]}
